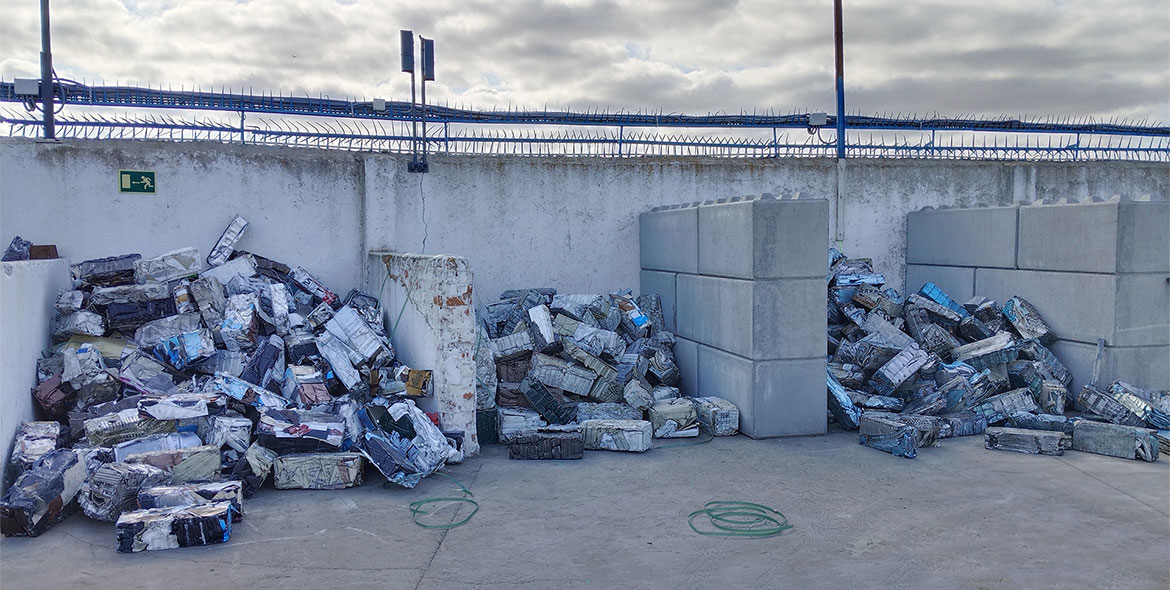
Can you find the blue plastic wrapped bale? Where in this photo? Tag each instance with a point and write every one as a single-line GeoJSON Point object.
{"type": "Point", "coordinates": [1053, 422]}
{"type": "Point", "coordinates": [1102, 404]}
{"type": "Point", "coordinates": [937, 295]}
{"type": "Point", "coordinates": [859, 278]}
{"type": "Point", "coordinates": [900, 368]}
{"type": "Point", "coordinates": [171, 528]}
{"type": "Point", "coordinates": [1032, 442]}
{"type": "Point", "coordinates": [844, 411]}
{"type": "Point", "coordinates": [43, 495]}
{"type": "Point", "coordinates": [1136, 400]}
{"type": "Point", "coordinates": [183, 350]}
{"type": "Point", "coordinates": [997, 408]}
{"type": "Point", "coordinates": [1116, 440]}
{"type": "Point", "coordinates": [899, 443]}
{"type": "Point", "coordinates": [997, 350]}
{"type": "Point", "coordinates": [965, 423]}
{"type": "Point", "coordinates": [876, 402]}
{"type": "Point", "coordinates": [940, 314]}
{"type": "Point", "coordinates": [926, 398]}
{"type": "Point", "coordinates": [1027, 321]}
{"type": "Point", "coordinates": [487, 426]}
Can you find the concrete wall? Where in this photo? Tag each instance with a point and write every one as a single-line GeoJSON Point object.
{"type": "Point", "coordinates": [28, 290]}
{"type": "Point", "coordinates": [564, 222]}
{"type": "Point", "coordinates": [1094, 270]}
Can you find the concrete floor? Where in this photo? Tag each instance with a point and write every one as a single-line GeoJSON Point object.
{"type": "Point", "coordinates": [958, 516]}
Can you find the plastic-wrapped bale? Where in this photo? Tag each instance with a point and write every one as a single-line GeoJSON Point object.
{"type": "Point", "coordinates": [998, 407]}
{"type": "Point", "coordinates": [1032, 442]}
{"type": "Point", "coordinates": [1115, 440]}
{"type": "Point", "coordinates": [1053, 422]}
{"type": "Point", "coordinates": [942, 315]}
{"type": "Point", "coordinates": [43, 495]}
{"type": "Point", "coordinates": [513, 421]}
{"type": "Point", "coordinates": [185, 465]}
{"type": "Point", "coordinates": [544, 402]}
{"type": "Point", "coordinates": [844, 411]}
{"type": "Point", "coordinates": [226, 243]}
{"type": "Point", "coordinates": [156, 442]}
{"type": "Point", "coordinates": [1100, 403]}
{"type": "Point", "coordinates": [674, 418]}
{"type": "Point", "coordinates": [194, 494]}
{"type": "Point", "coordinates": [299, 431]}
{"type": "Point", "coordinates": [318, 471]}
{"type": "Point", "coordinates": [122, 426]}
{"type": "Point", "coordinates": [900, 368]}
{"type": "Point", "coordinates": [717, 415]}
{"type": "Point", "coordinates": [927, 429]}
{"type": "Point", "coordinates": [487, 426]}
{"type": "Point", "coordinates": [965, 423]}
{"type": "Point", "coordinates": [154, 332]}
{"type": "Point", "coordinates": [403, 443]}
{"type": "Point", "coordinates": [550, 443]}
{"type": "Point", "coordinates": [171, 528]}
{"type": "Point", "coordinates": [617, 435]}
{"type": "Point", "coordinates": [899, 441]}
{"type": "Point", "coordinates": [988, 352]}
{"type": "Point", "coordinates": [934, 293]}
{"type": "Point", "coordinates": [876, 402]}
{"type": "Point", "coordinates": [113, 488]}
{"type": "Point", "coordinates": [607, 411]}
{"type": "Point", "coordinates": [33, 441]}
{"type": "Point", "coordinates": [101, 272]}
{"type": "Point", "coordinates": [1027, 321]}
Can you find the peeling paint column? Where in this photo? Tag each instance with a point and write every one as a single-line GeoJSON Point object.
{"type": "Point", "coordinates": [429, 310]}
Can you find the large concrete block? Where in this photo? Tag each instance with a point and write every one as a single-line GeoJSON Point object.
{"type": "Point", "coordinates": [1147, 367]}
{"type": "Point", "coordinates": [775, 398]}
{"type": "Point", "coordinates": [764, 238]}
{"type": "Point", "coordinates": [661, 284]}
{"type": "Point", "coordinates": [686, 356]}
{"type": "Point", "coordinates": [962, 237]}
{"type": "Point", "coordinates": [760, 320]}
{"type": "Point", "coordinates": [1125, 310]}
{"type": "Point", "coordinates": [956, 281]}
{"type": "Point", "coordinates": [669, 240]}
{"type": "Point", "coordinates": [1096, 237]}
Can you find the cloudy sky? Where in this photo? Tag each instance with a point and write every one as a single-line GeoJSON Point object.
{"type": "Point", "coordinates": [991, 57]}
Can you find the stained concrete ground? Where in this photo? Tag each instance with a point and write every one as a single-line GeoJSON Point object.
{"type": "Point", "coordinates": [958, 516]}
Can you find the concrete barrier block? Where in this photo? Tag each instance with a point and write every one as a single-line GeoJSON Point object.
{"type": "Point", "coordinates": [1143, 366]}
{"type": "Point", "coordinates": [686, 357]}
{"type": "Point", "coordinates": [669, 240]}
{"type": "Point", "coordinates": [764, 238]}
{"type": "Point", "coordinates": [716, 311]}
{"type": "Point", "coordinates": [956, 281]}
{"type": "Point", "coordinates": [775, 398]}
{"type": "Point", "coordinates": [789, 319]}
{"type": "Point", "coordinates": [1125, 310]}
{"type": "Point", "coordinates": [661, 284]}
{"type": "Point", "coordinates": [962, 237]}
{"type": "Point", "coordinates": [1096, 237]}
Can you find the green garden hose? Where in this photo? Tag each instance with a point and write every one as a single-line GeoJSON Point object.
{"type": "Point", "coordinates": [732, 518]}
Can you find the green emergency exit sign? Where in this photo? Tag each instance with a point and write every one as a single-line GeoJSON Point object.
{"type": "Point", "coordinates": [136, 181]}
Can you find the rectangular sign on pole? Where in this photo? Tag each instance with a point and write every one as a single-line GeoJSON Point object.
{"type": "Point", "coordinates": [136, 181]}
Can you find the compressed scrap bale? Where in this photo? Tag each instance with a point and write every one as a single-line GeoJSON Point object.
{"type": "Point", "coordinates": [927, 429]}
{"type": "Point", "coordinates": [898, 442]}
{"type": "Point", "coordinates": [114, 270]}
{"type": "Point", "coordinates": [998, 407]}
{"type": "Point", "coordinates": [512, 346]}
{"type": "Point", "coordinates": [988, 352]}
{"type": "Point", "coordinates": [847, 374]}
{"type": "Point", "coordinates": [113, 488]}
{"type": "Point", "coordinates": [1027, 321]}
{"type": "Point", "coordinates": [156, 442]}
{"type": "Point", "coordinates": [1032, 442]}
{"type": "Point", "coordinates": [403, 443]}
{"type": "Point", "coordinates": [934, 293]}
{"type": "Point", "coordinates": [79, 323]}
{"type": "Point", "coordinates": [876, 402]}
{"type": "Point", "coordinates": [592, 362]}
{"type": "Point", "coordinates": [717, 415]}
{"type": "Point", "coordinates": [985, 310]}
{"type": "Point", "coordinates": [231, 431]}
{"type": "Point", "coordinates": [607, 391]}
{"type": "Point", "coordinates": [170, 528]}
{"type": "Point", "coordinates": [318, 471]}
{"type": "Point", "coordinates": [844, 411]}
{"type": "Point", "coordinates": [193, 494]}
{"type": "Point", "coordinates": [226, 243]}
{"type": "Point", "coordinates": [248, 393]}
{"type": "Point", "coordinates": [122, 426]}
{"type": "Point", "coordinates": [544, 402]}
{"type": "Point", "coordinates": [1115, 440]}
{"type": "Point", "coordinates": [1051, 396]}
{"type": "Point", "coordinates": [513, 421]}
{"type": "Point", "coordinates": [176, 264]}
{"type": "Point", "coordinates": [554, 372]}
{"type": "Point", "coordinates": [900, 368]}
{"type": "Point", "coordinates": [607, 411]}
{"type": "Point", "coordinates": [185, 465]}
{"type": "Point", "coordinates": [1163, 437]}
{"type": "Point", "coordinates": [674, 418]}
{"type": "Point", "coordinates": [1158, 400]}
{"type": "Point", "coordinates": [965, 423]}
{"type": "Point", "coordinates": [617, 435]}
{"type": "Point", "coordinates": [638, 394]}
{"type": "Point", "coordinates": [548, 443]}
{"type": "Point", "coordinates": [1052, 422]}
{"type": "Point", "coordinates": [43, 495]}
{"type": "Point", "coordinates": [1123, 394]}
{"type": "Point", "coordinates": [942, 315]}
{"type": "Point", "coordinates": [1033, 350]}
{"type": "Point", "coordinates": [486, 377]}
{"type": "Point", "coordinates": [1100, 403]}
{"type": "Point", "coordinates": [487, 426]}
{"type": "Point", "coordinates": [54, 397]}
{"type": "Point", "coordinates": [33, 441]}
{"type": "Point", "coordinates": [291, 430]}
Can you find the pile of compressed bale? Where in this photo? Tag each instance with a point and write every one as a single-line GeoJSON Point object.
{"type": "Point", "coordinates": [561, 374]}
{"type": "Point", "coordinates": [909, 371]}
{"type": "Point", "coordinates": [177, 385]}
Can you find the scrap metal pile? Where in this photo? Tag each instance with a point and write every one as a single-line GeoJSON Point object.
{"type": "Point", "coordinates": [175, 389]}
{"type": "Point", "coordinates": [907, 372]}
{"type": "Point", "coordinates": [561, 374]}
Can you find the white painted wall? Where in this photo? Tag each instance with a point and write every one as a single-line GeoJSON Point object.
{"type": "Point", "coordinates": [28, 290]}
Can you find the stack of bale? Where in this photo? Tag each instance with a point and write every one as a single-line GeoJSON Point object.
{"type": "Point", "coordinates": [907, 372]}
{"type": "Point", "coordinates": [175, 388]}
{"type": "Point", "coordinates": [558, 374]}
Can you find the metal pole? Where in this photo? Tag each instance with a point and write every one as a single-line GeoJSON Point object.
{"type": "Point", "coordinates": [840, 45]}
{"type": "Point", "coordinates": [46, 72]}
{"type": "Point", "coordinates": [413, 126]}
{"type": "Point", "coordinates": [424, 123]}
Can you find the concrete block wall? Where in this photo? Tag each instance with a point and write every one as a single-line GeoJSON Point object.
{"type": "Point", "coordinates": [1094, 270]}
{"type": "Point", "coordinates": [743, 287]}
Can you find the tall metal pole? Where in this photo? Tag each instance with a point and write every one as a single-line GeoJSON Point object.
{"type": "Point", "coordinates": [840, 43]}
{"type": "Point", "coordinates": [46, 73]}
